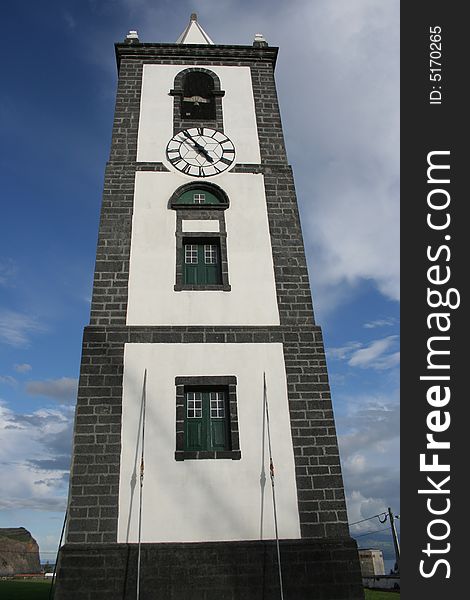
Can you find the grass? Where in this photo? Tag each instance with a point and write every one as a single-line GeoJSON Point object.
{"type": "Point", "coordinates": [24, 590]}
{"type": "Point", "coordinates": [39, 590]}
{"type": "Point", "coordinates": [379, 595]}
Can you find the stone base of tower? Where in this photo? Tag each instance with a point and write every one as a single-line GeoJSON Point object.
{"type": "Point", "coordinates": [311, 569]}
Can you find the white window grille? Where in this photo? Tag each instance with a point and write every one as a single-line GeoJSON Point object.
{"type": "Point", "coordinates": [217, 405]}
{"type": "Point", "coordinates": [194, 405]}
{"type": "Point", "coordinates": [199, 198]}
{"type": "Point", "coordinates": [210, 254]}
{"type": "Point", "coordinates": [190, 254]}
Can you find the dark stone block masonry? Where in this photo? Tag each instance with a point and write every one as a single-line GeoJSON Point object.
{"type": "Point", "coordinates": [316, 569]}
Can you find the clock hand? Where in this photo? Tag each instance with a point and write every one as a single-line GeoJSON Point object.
{"type": "Point", "coordinates": [198, 146]}
{"type": "Point", "coordinates": [190, 137]}
{"type": "Point", "coordinates": [204, 151]}
{"type": "Point", "coordinates": [186, 134]}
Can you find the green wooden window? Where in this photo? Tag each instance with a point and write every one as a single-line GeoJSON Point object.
{"type": "Point", "coordinates": [207, 418]}
{"type": "Point", "coordinates": [201, 262]}
{"type": "Point", "coordinates": [207, 426]}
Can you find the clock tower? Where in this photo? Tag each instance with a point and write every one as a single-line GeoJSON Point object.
{"type": "Point", "coordinates": [205, 459]}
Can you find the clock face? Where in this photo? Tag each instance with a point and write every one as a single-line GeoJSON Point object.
{"type": "Point", "coordinates": [200, 152]}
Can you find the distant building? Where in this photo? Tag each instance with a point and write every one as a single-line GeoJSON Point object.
{"type": "Point", "coordinates": [19, 552]}
{"type": "Point", "coordinates": [372, 562]}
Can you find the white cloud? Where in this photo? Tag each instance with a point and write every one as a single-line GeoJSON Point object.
{"type": "Point", "coordinates": [22, 368]}
{"type": "Point", "coordinates": [369, 425]}
{"type": "Point", "coordinates": [34, 458]}
{"type": "Point", "coordinates": [379, 354]}
{"type": "Point", "coordinates": [8, 379]}
{"type": "Point", "coordinates": [369, 494]}
{"type": "Point", "coordinates": [360, 507]}
{"type": "Point", "coordinates": [375, 355]}
{"type": "Point", "coordinates": [343, 352]}
{"type": "Point", "coordinates": [16, 328]}
{"type": "Point", "coordinates": [342, 128]}
{"type": "Point", "coordinates": [368, 435]}
{"type": "Point", "coordinates": [357, 463]}
{"type": "Point", "coordinates": [380, 323]}
{"type": "Point", "coordinates": [63, 389]}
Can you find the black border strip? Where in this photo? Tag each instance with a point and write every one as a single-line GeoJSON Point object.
{"type": "Point", "coordinates": [432, 132]}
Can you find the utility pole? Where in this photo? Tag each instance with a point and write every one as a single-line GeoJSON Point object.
{"type": "Point", "coordinates": [395, 538]}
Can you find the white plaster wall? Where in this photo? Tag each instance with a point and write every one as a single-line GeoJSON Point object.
{"type": "Point", "coordinates": [200, 225]}
{"type": "Point", "coordinates": [152, 299]}
{"type": "Point", "coordinates": [156, 112]}
{"type": "Point", "coordinates": [205, 500]}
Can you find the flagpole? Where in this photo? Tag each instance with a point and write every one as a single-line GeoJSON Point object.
{"type": "Point", "coordinates": [141, 483]}
{"type": "Point", "coordinates": [271, 473]}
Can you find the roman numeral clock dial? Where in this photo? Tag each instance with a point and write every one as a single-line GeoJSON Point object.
{"type": "Point", "coordinates": [200, 152]}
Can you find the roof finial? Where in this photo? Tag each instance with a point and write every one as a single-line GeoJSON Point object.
{"type": "Point", "coordinates": [132, 37]}
{"type": "Point", "coordinates": [194, 33]}
{"type": "Point", "coordinates": [259, 40]}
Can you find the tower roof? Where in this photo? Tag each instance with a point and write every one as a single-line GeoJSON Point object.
{"type": "Point", "coordinates": [194, 33]}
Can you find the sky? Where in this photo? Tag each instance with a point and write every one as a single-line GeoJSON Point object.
{"type": "Point", "coordinates": [338, 84]}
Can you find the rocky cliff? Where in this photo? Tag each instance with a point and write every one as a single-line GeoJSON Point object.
{"type": "Point", "coordinates": [19, 552]}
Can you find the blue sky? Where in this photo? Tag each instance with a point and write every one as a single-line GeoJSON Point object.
{"type": "Point", "coordinates": [337, 77]}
